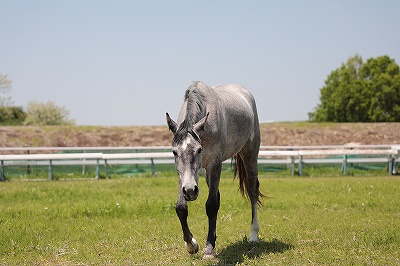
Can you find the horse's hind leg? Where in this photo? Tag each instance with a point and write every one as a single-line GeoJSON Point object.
{"type": "Point", "coordinates": [251, 168]}
{"type": "Point", "coordinates": [254, 228]}
{"type": "Point", "coordinates": [253, 190]}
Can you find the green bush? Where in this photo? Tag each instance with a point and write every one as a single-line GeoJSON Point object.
{"type": "Point", "coordinates": [12, 116]}
{"type": "Point", "coordinates": [47, 114]}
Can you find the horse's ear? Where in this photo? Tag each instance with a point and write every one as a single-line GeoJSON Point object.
{"type": "Point", "coordinates": [199, 126]}
{"type": "Point", "coordinates": [171, 124]}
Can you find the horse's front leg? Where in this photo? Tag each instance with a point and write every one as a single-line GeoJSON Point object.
{"type": "Point", "coordinates": [182, 212]}
{"type": "Point", "coordinates": [212, 207]}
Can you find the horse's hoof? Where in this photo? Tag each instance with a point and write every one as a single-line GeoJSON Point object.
{"type": "Point", "coordinates": [209, 256]}
{"type": "Point", "coordinates": [253, 239]}
{"type": "Point", "coordinates": [254, 236]}
{"type": "Point", "coordinates": [208, 252]}
{"type": "Point", "coordinates": [192, 247]}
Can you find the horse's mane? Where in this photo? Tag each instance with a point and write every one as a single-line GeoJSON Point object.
{"type": "Point", "coordinates": [195, 108]}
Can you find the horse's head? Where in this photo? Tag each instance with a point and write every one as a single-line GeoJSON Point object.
{"type": "Point", "coordinates": [187, 150]}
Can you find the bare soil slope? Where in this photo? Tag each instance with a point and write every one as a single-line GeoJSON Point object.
{"type": "Point", "coordinates": [271, 134]}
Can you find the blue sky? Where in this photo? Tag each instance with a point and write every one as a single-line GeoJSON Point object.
{"type": "Point", "coordinates": [129, 62]}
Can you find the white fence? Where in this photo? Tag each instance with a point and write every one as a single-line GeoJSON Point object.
{"type": "Point", "coordinates": [323, 155]}
{"type": "Point", "coordinates": [293, 157]}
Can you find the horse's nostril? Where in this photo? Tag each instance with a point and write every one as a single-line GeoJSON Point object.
{"type": "Point", "coordinates": [184, 190]}
{"type": "Point", "coordinates": [196, 189]}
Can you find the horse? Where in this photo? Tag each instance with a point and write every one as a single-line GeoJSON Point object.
{"type": "Point", "coordinates": [215, 124]}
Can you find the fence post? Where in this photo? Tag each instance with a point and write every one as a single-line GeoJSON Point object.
{"type": "Point", "coordinates": [97, 169]}
{"type": "Point", "coordinates": [50, 170]}
{"type": "Point", "coordinates": [292, 165]}
{"type": "Point", "coordinates": [300, 165]}
{"type": "Point", "coordinates": [28, 166]}
{"type": "Point", "coordinates": [83, 165]}
{"type": "Point", "coordinates": [153, 167]}
{"type": "Point", "coordinates": [390, 165]}
{"type": "Point", "coordinates": [2, 177]}
{"type": "Point", "coordinates": [344, 166]}
{"type": "Point", "coordinates": [106, 166]}
{"type": "Point", "coordinates": [394, 165]}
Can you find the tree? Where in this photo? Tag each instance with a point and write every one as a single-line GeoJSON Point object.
{"type": "Point", "coordinates": [47, 114]}
{"type": "Point", "coordinates": [9, 115]}
{"type": "Point", "coordinates": [5, 89]}
{"type": "Point", "coordinates": [361, 92]}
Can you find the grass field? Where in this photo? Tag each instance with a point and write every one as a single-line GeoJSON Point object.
{"type": "Point", "coordinates": [132, 221]}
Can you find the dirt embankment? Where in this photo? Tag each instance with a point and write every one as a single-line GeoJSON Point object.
{"type": "Point", "coordinates": [282, 134]}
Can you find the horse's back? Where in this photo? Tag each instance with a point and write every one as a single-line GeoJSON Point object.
{"type": "Point", "coordinates": [238, 105]}
{"type": "Point", "coordinates": [239, 112]}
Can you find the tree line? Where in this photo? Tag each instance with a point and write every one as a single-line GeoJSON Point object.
{"type": "Point", "coordinates": [36, 113]}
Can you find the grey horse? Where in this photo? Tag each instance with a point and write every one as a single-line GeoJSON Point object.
{"type": "Point", "coordinates": [215, 124]}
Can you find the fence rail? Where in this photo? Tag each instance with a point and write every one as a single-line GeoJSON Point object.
{"type": "Point", "coordinates": [309, 156]}
{"type": "Point", "coordinates": [294, 157]}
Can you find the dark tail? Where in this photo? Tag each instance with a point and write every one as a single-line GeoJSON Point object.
{"type": "Point", "coordinates": [244, 179]}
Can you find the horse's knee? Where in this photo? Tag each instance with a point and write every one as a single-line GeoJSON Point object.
{"type": "Point", "coordinates": [181, 211]}
{"type": "Point", "coordinates": [212, 205]}
{"type": "Point", "coordinates": [212, 208]}
{"type": "Point", "coordinates": [254, 192]}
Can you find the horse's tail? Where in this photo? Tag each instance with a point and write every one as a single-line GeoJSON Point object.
{"type": "Point", "coordinates": [240, 170]}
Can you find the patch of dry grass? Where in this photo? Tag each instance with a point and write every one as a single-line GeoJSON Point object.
{"type": "Point", "coordinates": [289, 133]}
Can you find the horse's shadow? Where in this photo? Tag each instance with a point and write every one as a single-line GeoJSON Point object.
{"type": "Point", "coordinates": [236, 252]}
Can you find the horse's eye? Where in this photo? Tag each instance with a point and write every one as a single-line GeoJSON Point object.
{"type": "Point", "coordinates": [199, 151]}
{"type": "Point", "coordinates": [175, 153]}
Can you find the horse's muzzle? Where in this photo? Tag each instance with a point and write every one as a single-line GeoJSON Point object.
{"type": "Point", "coordinates": [190, 193]}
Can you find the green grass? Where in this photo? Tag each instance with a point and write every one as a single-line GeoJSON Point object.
{"type": "Point", "coordinates": [132, 221]}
